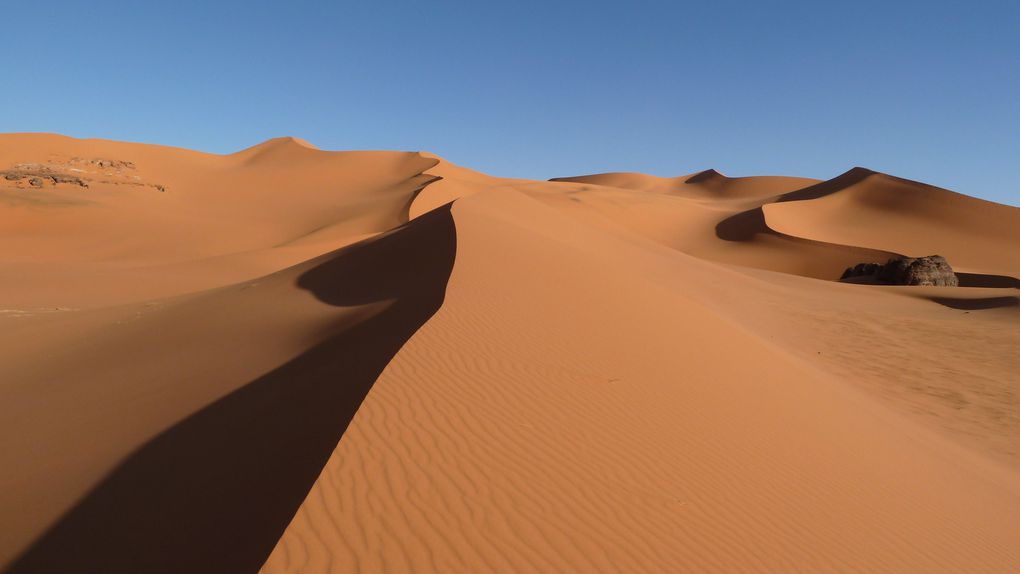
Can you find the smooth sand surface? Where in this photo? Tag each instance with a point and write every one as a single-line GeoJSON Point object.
{"type": "Point", "coordinates": [293, 360]}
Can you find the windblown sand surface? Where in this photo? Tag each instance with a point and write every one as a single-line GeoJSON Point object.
{"type": "Point", "coordinates": [293, 360]}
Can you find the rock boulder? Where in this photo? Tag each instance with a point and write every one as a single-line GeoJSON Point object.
{"type": "Point", "coordinates": [931, 270]}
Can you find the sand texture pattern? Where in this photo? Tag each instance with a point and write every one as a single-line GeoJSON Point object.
{"type": "Point", "coordinates": [294, 360]}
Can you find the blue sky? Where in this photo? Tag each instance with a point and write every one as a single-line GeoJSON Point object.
{"type": "Point", "coordinates": [923, 90]}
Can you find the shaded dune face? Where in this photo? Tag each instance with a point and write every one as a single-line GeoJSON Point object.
{"type": "Point", "coordinates": [294, 360]}
{"type": "Point", "coordinates": [214, 492]}
{"type": "Point", "coordinates": [875, 211]}
{"type": "Point", "coordinates": [820, 259]}
{"type": "Point", "coordinates": [587, 412]}
{"type": "Point", "coordinates": [219, 220]}
{"type": "Point", "coordinates": [818, 228]}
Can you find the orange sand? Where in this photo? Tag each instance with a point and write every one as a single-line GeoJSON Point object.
{"type": "Point", "coordinates": [296, 360]}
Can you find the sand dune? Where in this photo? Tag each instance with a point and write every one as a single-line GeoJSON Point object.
{"type": "Point", "coordinates": [222, 387]}
{"type": "Point", "coordinates": [712, 217]}
{"type": "Point", "coordinates": [879, 211]}
{"type": "Point", "coordinates": [297, 360]}
{"type": "Point", "coordinates": [707, 184]}
{"type": "Point", "coordinates": [121, 240]}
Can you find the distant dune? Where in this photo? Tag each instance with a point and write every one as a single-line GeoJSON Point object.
{"type": "Point", "coordinates": [294, 360]}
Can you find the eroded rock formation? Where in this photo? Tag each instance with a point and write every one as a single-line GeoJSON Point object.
{"type": "Point", "coordinates": [931, 270]}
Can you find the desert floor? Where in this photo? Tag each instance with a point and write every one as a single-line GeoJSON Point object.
{"type": "Point", "coordinates": [296, 360]}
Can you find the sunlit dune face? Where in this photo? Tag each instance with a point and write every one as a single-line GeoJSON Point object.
{"type": "Point", "coordinates": [288, 359]}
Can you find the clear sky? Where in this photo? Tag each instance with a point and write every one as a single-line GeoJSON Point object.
{"type": "Point", "coordinates": [925, 90]}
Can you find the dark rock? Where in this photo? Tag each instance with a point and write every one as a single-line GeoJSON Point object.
{"type": "Point", "coordinates": [38, 178]}
{"type": "Point", "coordinates": [860, 270]}
{"type": "Point", "coordinates": [73, 180]}
{"type": "Point", "coordinates": [932, 270]}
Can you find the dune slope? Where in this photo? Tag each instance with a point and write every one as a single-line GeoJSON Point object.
{"type": "Point", "coordinates": [570, 448]}
{"type": "Point", "coordinates": [218, 219]}
{"type": "Point", "coordinates": [212, 413]}
{"type": "Point", "coordinates": [293, 360]}
{"type": "Point", "coordinates": [879, 211]}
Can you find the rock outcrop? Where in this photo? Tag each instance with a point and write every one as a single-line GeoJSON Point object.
{"type": "Point", "coordinates": [76, 171]}
{"type": "Point", "coordinates": [37, 177]}
{"type": "Point", "coordinates": [932, 270]}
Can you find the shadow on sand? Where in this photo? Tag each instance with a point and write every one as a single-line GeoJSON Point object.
{"type": "Point", "coordinates": [215, 492]}
{"type": "Point", "coordinates": [745, 225]}
{"type": "Point", "coordinates": [985, 280]}
{"type": "Point", "coordinates": [977, 304]}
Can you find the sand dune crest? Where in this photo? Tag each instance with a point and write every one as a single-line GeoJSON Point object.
{"type": "Point", "coordinates": [299, 360]}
